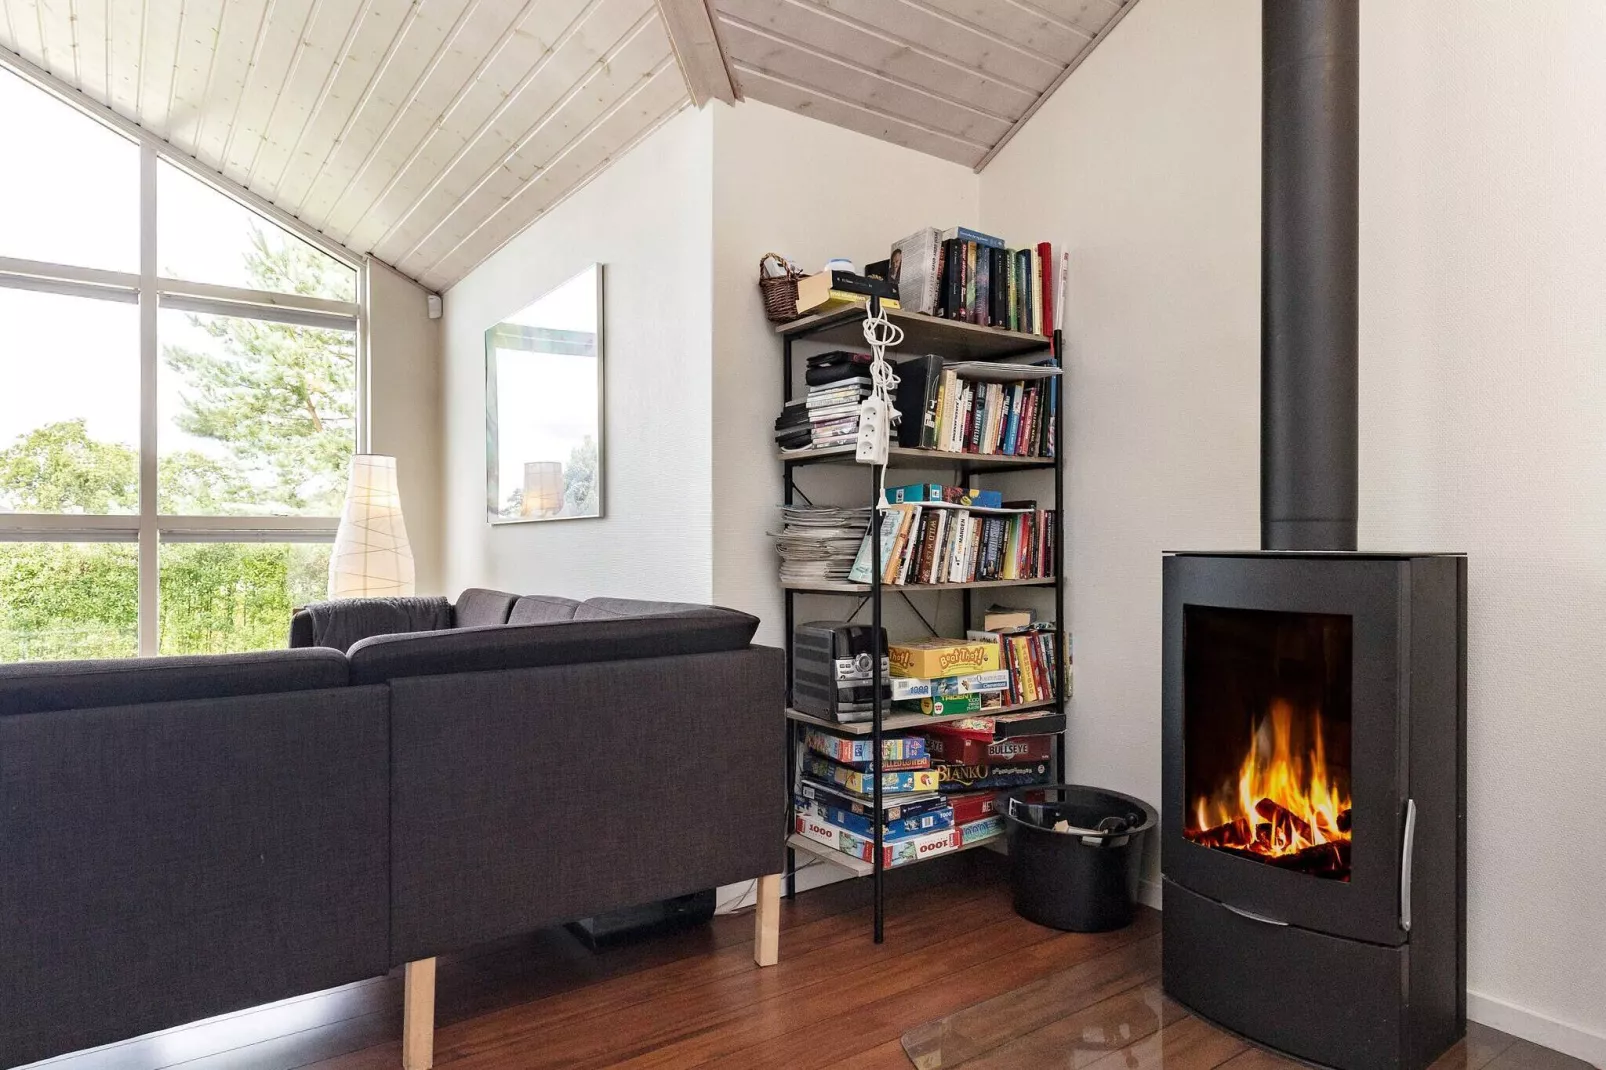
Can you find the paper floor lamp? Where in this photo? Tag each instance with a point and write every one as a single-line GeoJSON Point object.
{"type": "Point", "coordinates": [372, 557]}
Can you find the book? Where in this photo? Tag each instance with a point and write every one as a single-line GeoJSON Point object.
{"type": "Point", "coordinates": [970, 282]}
{"type": "Point", "coordinates": [890, 522]}
{"type": "Point", "coordinates": [861, 825]}
{"type": "Point", "coordinates": [860, 783]}
{"type": "Point", "coordinates": [893, 807]}
{"type": "Point", "coordinates": [919, 388]}
{"type": "Point", "coordinates": [841, 288]}
{"type": "Point", "coordinates": [1050, 275]}
{"type": "Point", "coordinates": [930, 659]}
{"type": "Point", "coordinates": [960, 777]}
{"type": "Point", "coordinates": [915, 269]}
{"type": "Point", "coordinates": [974, 236]}
{"type": "Point", "coordinates": [855, 751]}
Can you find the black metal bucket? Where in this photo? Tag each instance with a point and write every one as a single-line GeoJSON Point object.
{"type": "Point", "coordinates": [1082, 878]}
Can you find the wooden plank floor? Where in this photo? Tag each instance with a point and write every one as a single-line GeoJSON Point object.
{"type": "Point", "coordinates": [695, 999]}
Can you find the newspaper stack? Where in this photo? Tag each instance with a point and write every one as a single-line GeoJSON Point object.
{"type": "Point", "coordinates": [817, 544]}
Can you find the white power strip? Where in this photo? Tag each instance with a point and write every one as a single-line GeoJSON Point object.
{"type": "Point", "coordinates": [874, 427]}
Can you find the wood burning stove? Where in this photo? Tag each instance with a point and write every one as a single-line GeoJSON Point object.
{"type": "Point", "coordinates": [1313, 802]}
{"type": "Point", "coordinates": [1313, 819]}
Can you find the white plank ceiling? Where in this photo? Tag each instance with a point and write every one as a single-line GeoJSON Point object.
{"type": "Point", "coordinates": [429, 132]}
{"type": "Point", "coordinates": [953, 78]}
{"type": "Point", "coordinates": [425, 132]}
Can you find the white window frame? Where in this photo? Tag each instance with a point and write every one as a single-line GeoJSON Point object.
{"type": "Point", "coordinates": [150, 529]}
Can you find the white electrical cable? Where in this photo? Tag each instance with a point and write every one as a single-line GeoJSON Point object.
{"type": "Point", "coordinates": [881, 333]}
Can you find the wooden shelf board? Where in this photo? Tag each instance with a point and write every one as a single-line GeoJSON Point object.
{"type": "Point", "coordinates": [908, 457]}
{"type": "Point", "coordinates": [864, 588]}
{"type": "Point", "coordinates": [860, 868]}
{"type": "Point", "coordinates": [897, 722]}
{"type": "Point", "coordinates": [921, 334]}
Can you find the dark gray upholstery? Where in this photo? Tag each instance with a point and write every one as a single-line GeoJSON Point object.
{"type": "Point", "coordinates": [183, 837]}
{"type": "Point", "coordinates": [613, 608]}
{"type": "Point", "coordinates": [171, 861]}
{"type": "Point", "coordinates": [534, 796]}
{"type": "Point", "coordinates": [542, 609]}
{"type": "Point", "coordinates": [390, 657]}
{"type": "Point", "coordinates": [28, 687]}
{"type": "Point", "coordinates": [477, 608]}
{"type": "Point", "coordinates": [339, 623]}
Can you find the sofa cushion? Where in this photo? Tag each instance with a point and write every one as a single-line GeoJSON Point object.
{"type": "Point", "coordinates": [37, 686]}
{"type": "Point", "coordinates": [341, 622]}
{"type": "Point", "coordinates": [528, 646]}
{"type": "Point", "coordinates": [542, 609]}
{"type": "Point", "coordinates": [615, 608]}
{"type": "Point", "coordinates": [477, 607]}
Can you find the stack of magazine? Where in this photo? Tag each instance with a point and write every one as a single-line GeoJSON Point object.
{"type": "Point", "coordinates": [817, 544]}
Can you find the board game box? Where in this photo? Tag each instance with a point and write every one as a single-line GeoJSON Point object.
{"type": "Point", "coordinates": [861, 751]}
{"type": "Point", "coordinates": [906, 689]}
{"type": "Point", "coordinates": [967, 750]}
{"type": "Point", "coordinates": [931, 659]}
{"type": "Point", "coordinates": [930, 821]}
{"type": "Point", "coordinates": [893, 807]}
{"type": "Point", "coordinates": [861, 783]}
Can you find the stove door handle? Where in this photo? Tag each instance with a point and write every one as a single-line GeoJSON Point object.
{"type": "Point", "coordinates": [1252, 916]}
{"type": "Point", "coordinates": [1407, 852]}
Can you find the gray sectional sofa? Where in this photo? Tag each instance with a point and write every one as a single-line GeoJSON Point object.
{"type": "Point", "coordinates": [181, 837]}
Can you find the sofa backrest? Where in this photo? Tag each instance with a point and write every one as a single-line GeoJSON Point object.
{"type": "Point", "coordinates": [38, 686]}
{"type": "Point", "coordinates": [616, 608]}
{"type": "Point", "coordinates": [185, 857]}
{"type": "Point", "coordinates": [478, 607]}
{"type": "Point", "coordinates": [542, 609]}
{"type": "Point", "coordinates": [699, 630]}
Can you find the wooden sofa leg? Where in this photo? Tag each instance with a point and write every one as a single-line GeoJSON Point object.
{"type": "Point", "coordinates": [418, 1015]}
{"type": "Point", "coordinates": [767, 926]}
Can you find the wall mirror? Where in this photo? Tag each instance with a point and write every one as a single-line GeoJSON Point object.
{"type": "Point", "coordinates": [543, 406]}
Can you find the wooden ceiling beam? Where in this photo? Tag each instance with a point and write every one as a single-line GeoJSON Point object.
{"type": "Point", "coordinates": [695, 37]}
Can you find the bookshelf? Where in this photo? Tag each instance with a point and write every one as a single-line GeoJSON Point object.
{"type": "Point", "coordinates": [955, 342]}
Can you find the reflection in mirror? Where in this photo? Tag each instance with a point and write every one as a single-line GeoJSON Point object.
{"type": "Point", "coordinates": [543, 406]}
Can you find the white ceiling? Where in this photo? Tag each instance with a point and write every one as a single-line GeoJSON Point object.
{"type": "Point", "coordinates": [429, 132]}
{"type": "Point", "coordinates": [953, 78]}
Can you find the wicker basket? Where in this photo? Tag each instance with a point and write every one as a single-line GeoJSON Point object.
{"type": "Point", "coordinates": [780, 293]}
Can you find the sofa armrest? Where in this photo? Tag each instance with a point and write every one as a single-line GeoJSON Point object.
{"type": "Point", "coordinates": [533, 796]}
{"type": "Point", "coordinates": [343, 621]}
{"type": "Point", "coordinates": [526, 646]}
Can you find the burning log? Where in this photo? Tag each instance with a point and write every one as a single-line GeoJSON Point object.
{"type": "Point", "coordinates": [1344, 820]}
{"type": "Point", "coordinates": [1235, 833]}
{"type": "Point", "coordinates": [1294, 828]}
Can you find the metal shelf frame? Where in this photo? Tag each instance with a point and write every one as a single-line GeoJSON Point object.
{"type": "Point", "coordinates": [952, 340]}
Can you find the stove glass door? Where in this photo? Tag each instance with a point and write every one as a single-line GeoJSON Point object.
{"type": "Point", "coordinates": [1267, 725]}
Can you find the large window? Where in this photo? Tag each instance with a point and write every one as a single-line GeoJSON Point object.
{"type": "Point", "coordinates": [178, 400]}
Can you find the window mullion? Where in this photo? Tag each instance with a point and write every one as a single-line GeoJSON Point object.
{"type": "Point", "coordinates": [149, 296]}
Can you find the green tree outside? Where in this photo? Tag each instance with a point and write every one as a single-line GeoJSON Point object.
{"type": "Point", "coordinates": [280, 401]}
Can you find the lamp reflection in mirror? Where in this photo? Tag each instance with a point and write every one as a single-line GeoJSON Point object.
{"type": "Point", "coordinates": [543, 489]}
{"type": "Point", "coordinates": [372, 557]}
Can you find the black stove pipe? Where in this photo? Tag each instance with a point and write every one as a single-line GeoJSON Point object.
{"type": "Point", "coordinates": [1310, 118]}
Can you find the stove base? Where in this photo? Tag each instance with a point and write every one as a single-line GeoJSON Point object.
{"type": "Point", "coordinates": [1321, 999]}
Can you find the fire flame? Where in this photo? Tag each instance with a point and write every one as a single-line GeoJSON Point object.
{"type": "Point", "coordinates": [1287, 802]}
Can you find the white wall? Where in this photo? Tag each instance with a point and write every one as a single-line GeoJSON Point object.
{"type": "Point", "coordinates": [1483, 403]}
{"type": "Point", "coordinates": [404, 409]}
{"type": "Point", "coordinates": [1146, 166]}
{"type": "Point", "coordinates": [1483, 428]}
{"type": "Point", "coordinates": [648, 220]}
{"type": "Point", "coordinates": [810, 191]}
